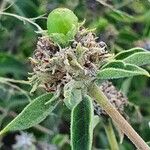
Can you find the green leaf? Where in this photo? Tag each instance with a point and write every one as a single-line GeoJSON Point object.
{"type": "Point", "coordinates": [62, 25]}
{"type": "Point", "coordinates": [139, 59]}
{"type": "Point", "coordinates": [63, 39]}
{"type": "Point", "coordinates": [60, 139]}
{"type": "Point", "coordinates": [126, 53]}
{"type": "Point", "coordinates": [125, 86]}
{"type": "Point", "coordinates": [121, 16]}
{"type": "Point", "coordinates": [70, 35]}
{"type": "Point", "coordinates": [26, 8]}
{"type": "Point", "coordinates": [73, 97]}
{"type": "Point", "coordinates": [96, 120]}
{"type": "Point", "coordinates": [137, 56]}
{"type": "Point", "coordinates": [72, 94]}
{"type": "Point", "coordinates": [33, 113]}
{"type": "Point", "coordinates": [82, 125]}
{"type": "Point", "coordinates": [8, 64]}
{"type": "Point", "coordinates": [59, 38]}
{"type": "Point", "coordinates": [61, 20]}
{"type": "Point", "coordinates": [127, 35]}
{"type": "Point", "coordinates": [119, 69]}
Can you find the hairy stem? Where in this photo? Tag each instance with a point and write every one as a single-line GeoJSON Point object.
{"type": "Point", "coordinates": [111, 135]}
{"type": "Point", "coordinates": [24, 19]}
{"type": "Point", "coordinates": [126, 128]}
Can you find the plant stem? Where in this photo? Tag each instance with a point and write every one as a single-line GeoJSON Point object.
{"type": "Point", "coordinates": [126, 128]}
{"type": "Point", "coordinates": [24, 19]}
{"type": "Point", "coordinates": [111, 135]}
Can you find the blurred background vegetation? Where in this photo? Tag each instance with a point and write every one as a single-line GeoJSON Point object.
{"type": "Point", "coordinates": [121, 24]}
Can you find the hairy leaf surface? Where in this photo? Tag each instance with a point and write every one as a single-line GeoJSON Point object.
{"type": "Point", "coordinates": [139, 59]}
{"type": "Point", "coordinates": [119, 69]}
{"type": "Point", "coordinates": [72, 94]}
{"type": "Point", "coordinates": [82, 125]}
{"type": "Point", "coordinates": [126, 53]}
{"type": "Point", "coordinates": [137, 56]}
{"type": "Point", "coordinates": [33, 113]}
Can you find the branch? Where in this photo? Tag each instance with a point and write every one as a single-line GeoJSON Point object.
{"type": "Point", "coordinates": [24, 19]}
{"type": "Point", "coordinates": [111, 135]}
{"type": "Point", "coordinates": [126, 128]}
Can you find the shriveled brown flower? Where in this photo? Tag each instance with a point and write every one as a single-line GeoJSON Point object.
{"type": "Point", "coordinates": [116, 98]}
{"type": "Point", "coordinates": [54, 66]}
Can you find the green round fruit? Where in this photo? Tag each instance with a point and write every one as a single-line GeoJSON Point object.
{"type": "Point", "coordinates": [61, 20]}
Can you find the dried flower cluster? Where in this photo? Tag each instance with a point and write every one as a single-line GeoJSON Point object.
{"type": "Point", "coordinates": [116, 98]}
{"type": "Point", "coordinates": [54, 66]}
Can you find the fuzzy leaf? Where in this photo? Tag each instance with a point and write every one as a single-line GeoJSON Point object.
{"type": "Point", "coordinates": [119, 69]}
{"type": "Point", "coordinates": [72, 94]}
{"type": "Point", "coordinates": [139, 59]}
{"type": "Point", "coordinates": [126, 53]}
{"type": "Point", "coordinates": [82, 125]}
{"type": "Point", "coordinates": [33, 113]}
{"type": "Point", "coordinates": [73, 98]}
{"type": "Point", "coordinates": [137, 56]}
